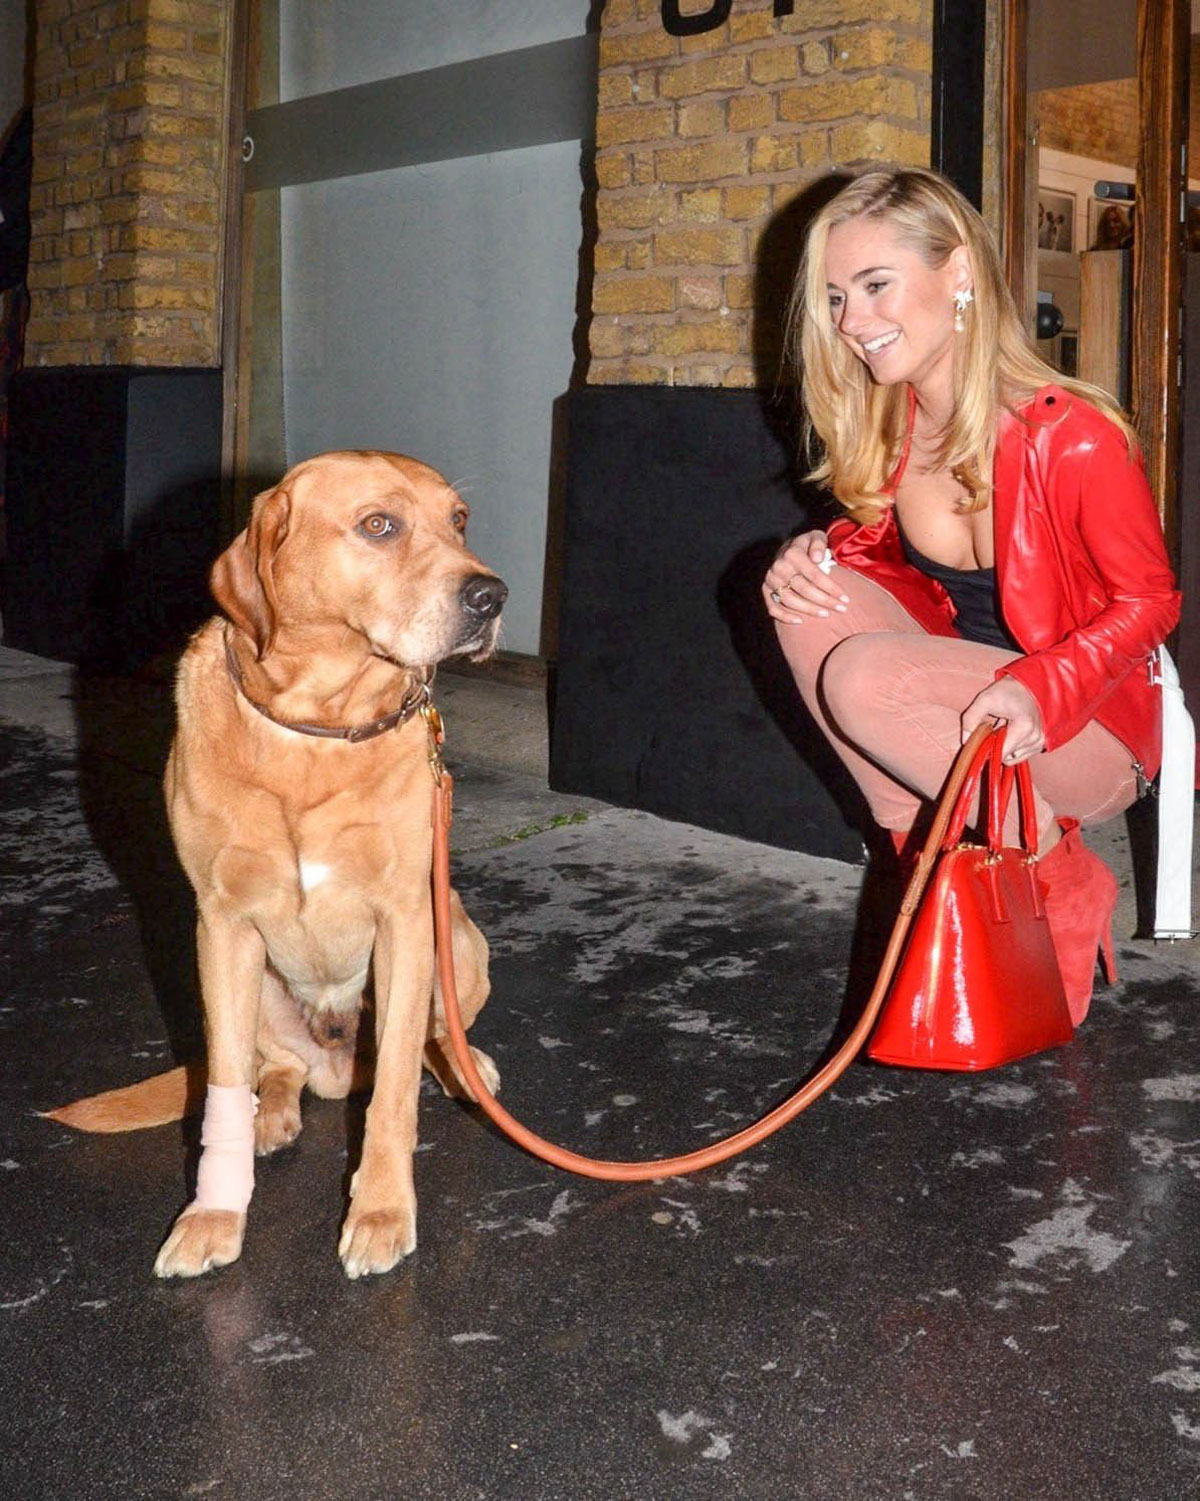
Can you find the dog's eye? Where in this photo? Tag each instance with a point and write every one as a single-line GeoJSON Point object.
{"type": "Point", "coordinates": [377, 526]}
{"type": "Point", "coordinates": [459, 520]}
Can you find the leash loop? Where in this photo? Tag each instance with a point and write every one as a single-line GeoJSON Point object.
{"type": "Point", "coordinates": [740, 1141]}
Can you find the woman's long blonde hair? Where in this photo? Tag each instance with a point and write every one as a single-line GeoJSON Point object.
{"type": "Point", "coordinates": [861, 425]}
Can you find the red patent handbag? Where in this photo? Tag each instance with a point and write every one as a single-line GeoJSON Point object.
{"type": "Point", "coordinates": [978, 984]}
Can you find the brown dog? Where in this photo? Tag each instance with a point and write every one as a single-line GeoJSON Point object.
{"type": "Point", "coordinates": [299, 793]}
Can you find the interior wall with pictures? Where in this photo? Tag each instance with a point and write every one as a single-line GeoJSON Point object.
{"type": "Point", "coordinates": [1070, 220]}
{"type": "Point", "coordinates": [1083, 107]}
{"type": "Point", "coordinates": [1084, 111]}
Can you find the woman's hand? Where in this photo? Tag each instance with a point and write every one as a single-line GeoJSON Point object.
{"type": "Point", "coordinates": [797, 586]}
{"type": "Point", "coordinates": [1010, 700]}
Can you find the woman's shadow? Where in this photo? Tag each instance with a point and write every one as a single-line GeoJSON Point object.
{"type": "Point", "coordinates": [751, 630]}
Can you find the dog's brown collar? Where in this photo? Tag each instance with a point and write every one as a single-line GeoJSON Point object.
{"type": "Point", "coordinates": [416, 699]}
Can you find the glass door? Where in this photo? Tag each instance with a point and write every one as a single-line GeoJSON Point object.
{"type": "Point", "coordinates": [412, 250]}
{"type": "Point", "coordinates": [1096, 106]}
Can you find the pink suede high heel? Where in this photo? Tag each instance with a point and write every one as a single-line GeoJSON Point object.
{"type": "Point", "coordinates": [1081, 896]}
{"type": "Point", "coordinates": [905, 848]}
{"type": "Point", "coordinates": [906, 851]}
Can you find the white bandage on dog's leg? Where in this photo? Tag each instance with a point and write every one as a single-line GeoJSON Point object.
{"type": "Point", "coordinates": [225, 1177]}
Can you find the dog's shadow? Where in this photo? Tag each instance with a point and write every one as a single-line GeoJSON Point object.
{"type": "Point", "coordinates": [151, 595]}
{"type": "Point", "coordinates": [124, 728]}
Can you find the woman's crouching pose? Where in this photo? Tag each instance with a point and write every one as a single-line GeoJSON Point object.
{"type": "Point", "coordinates": [1001, 557]}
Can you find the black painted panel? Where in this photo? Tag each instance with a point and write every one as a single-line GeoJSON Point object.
{"type": "Point", "coordinates": [112, 503]}
{"type": "Point", "coordinates": [671, 693]}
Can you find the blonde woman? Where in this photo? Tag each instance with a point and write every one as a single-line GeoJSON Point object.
{"type": "Point", "coordinates": [1000, 557]}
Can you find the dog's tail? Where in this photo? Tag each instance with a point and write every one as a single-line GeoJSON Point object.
{"type": "Point", "coordinates": [154, 1102]}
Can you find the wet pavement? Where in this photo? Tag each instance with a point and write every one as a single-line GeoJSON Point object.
{"type": "Point", "coordinates": [929, 1286]}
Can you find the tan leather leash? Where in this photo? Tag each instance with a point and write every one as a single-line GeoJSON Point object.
{"type": "Point", "coordinates": [741, 1141]}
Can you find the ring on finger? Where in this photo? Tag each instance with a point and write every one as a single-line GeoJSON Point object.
{"type": "Point", "coordinates": [775, 596]}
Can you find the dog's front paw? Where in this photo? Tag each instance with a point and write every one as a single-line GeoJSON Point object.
{"type": "Point", "coordinates": [200, 1240]}
{"type": "Point", "coordinates": [376, 1241]}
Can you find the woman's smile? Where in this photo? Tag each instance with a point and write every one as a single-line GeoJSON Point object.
{"type": "Point", "coordinates": [878, 345]}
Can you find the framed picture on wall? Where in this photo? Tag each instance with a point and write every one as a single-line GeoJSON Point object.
{"type": "Point", "coordinates": [1056, 220]}
{"type": "Point", "coordinates": [1110, 224]}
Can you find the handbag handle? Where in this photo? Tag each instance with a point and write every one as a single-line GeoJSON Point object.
{"type": "Point", "coordinates": [1000, 785]}
{"type": "Point", "coordinates": [1001, 779]}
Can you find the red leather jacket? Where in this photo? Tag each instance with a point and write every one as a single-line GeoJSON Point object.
{"type": "Point", "coordinates": [1082, 574]}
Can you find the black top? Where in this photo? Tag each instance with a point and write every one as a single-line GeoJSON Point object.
{"type": "Point", "coordinates": [973, 591]}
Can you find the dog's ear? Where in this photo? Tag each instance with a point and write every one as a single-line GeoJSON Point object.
{"type": "Point", "coordinates": [243, 577]}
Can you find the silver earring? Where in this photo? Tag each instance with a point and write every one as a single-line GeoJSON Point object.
{"type": "Point", "coordinates": [962, 301]}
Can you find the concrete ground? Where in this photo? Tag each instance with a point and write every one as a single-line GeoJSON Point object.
{"type": "Point", "coordinates": [932, 1285]}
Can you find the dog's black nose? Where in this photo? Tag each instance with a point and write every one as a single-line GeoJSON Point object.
{"type": "Point", "coordinates": [483, 595]}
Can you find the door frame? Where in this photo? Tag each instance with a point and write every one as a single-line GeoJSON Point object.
{"type": "Point", "coordinates": [1163, 58]}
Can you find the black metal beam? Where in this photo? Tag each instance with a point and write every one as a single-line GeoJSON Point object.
{"type": "Point", "coordinates": [956, 135]}
{"type": "Point", "coordinates": [507, 101]}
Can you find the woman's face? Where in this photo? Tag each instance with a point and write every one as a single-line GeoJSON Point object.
{"type": "Point", "coordinates": [890, 308]}
{"type": "Point", "coordinates": [1112, 223]}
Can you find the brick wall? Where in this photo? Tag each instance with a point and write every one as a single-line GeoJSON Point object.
{"type": "Point", "coordinates": [1094, 119]}
{"type": "Point", "coordinates": [129, 130]}
{"type": "Point", "coordinates": [703, 142]}
{"type": "Point", "coordinates": [1100, 119]}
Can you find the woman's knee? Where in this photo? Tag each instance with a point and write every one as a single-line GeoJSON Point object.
{"type": "Point", "coordinates": [855, 678]}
